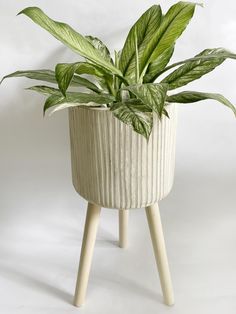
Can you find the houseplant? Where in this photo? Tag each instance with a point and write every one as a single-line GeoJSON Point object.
{"type": "Point", "coordinates": [113, 165]}
{"type": "Point", "coordinates": [123, 87]}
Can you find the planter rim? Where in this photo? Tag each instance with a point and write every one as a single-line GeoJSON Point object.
{"type": "Point", "coordinates": [97, 108]}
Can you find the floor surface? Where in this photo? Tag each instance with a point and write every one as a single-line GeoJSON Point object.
{"type": "Point", "coordinates": [40, 254]}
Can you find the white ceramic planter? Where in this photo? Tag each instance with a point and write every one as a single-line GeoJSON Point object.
{"type": "Point", "coordinates": [115, 167]}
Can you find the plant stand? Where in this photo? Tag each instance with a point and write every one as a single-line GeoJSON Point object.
{"type": "Point", "coordinates": [114, 167]}
{"type": "Point", "coordinates": [89, 237]}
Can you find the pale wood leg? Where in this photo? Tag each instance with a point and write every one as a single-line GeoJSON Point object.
{"type": "Point", "coordinates": [158, 242]}
{"type": "Point", "coordinates": [123, 227]}
{"type": "Point", "coordinates": [90, 231]}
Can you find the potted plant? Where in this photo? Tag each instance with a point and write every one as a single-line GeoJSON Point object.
{"type": "Point", "coordinates": [123, 122]}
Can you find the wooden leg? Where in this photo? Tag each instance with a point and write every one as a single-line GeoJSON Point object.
{"type": "Point", "coordinates": [90, 231]}
{"type": "Point", "coordinates": [158, 242]}
{"type": "Point", "coordinates": [123, 227]}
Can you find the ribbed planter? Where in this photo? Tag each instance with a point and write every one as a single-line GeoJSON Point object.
{"type": "Point", "coordinates": [115, 167]}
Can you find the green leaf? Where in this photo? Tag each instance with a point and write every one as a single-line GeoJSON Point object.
{"type": "Point", "coordinates": [88, 68]}
{"type": "Point", "coordinates": [165, 112]}
{"type": "Point", "coordinates": [69, 37]}
{"type": "Point", "coordinates": [203, 63]}
{"type": "Point", "coordinates": [105, 79]}
{"type": "Point", "coordinates": [152, 95]}
{"type": "Point", "coordinates": [219, 53]}
{"type": "Point", "coordinates": [69, 105]}
{"type": "Point", "coordinates": [71, 99]}
{"type": "Point", "coordinates": [64, 105]}
{"type": "Point", "coordinates": [83, 82]}
{"type": "Point", "coordinates": [98, 44]}
{"type": "Point", "coordinates": [76, 98]}
{"type": "Point", "coordinates": [65, 72]}
{"type": "Point", "coordinates": [156, 67]}
{"type": "Point", "coordinates": [191, 96]}
{"type": "Point", "coordinates": [146, 26]}
{"type": "Point", "coordinates": [45, 90]}
{"type": "Point", "coordinates": [172, 26]}
{"type": "Point", "coordinates": [137, 103]}
{"type": "Point", "coordinates": [49, 76]}
{"type": "Point", "coordinates": [53, 100]}
{"type": "Point", "coordinates": [41, 75]}
{"type": "Point", "coordinates": [136, 114]}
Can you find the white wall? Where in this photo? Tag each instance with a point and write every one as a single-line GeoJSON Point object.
{"type": "Point", "coordinates": [33, 148]}
{"type": "Point", "coordinates": [35, 181]}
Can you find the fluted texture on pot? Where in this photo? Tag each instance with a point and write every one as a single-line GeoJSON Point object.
{"type": "Point", "coordinates": [115, 167]}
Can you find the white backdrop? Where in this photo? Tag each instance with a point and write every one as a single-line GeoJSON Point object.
{"type": "Point", "coordinates": [41, 216]}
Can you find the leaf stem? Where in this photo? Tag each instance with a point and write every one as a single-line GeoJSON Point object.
{"type": "Point", "coordinates": [110, 88]}
{"type": "Point", "coordinates": [136, 57]}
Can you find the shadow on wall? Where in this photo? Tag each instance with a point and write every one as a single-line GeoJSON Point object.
{"type": "Point", "coordinates": [33, 148]}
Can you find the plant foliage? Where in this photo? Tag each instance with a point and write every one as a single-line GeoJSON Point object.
{"type": "Point", "coordinates": [127, 85]}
